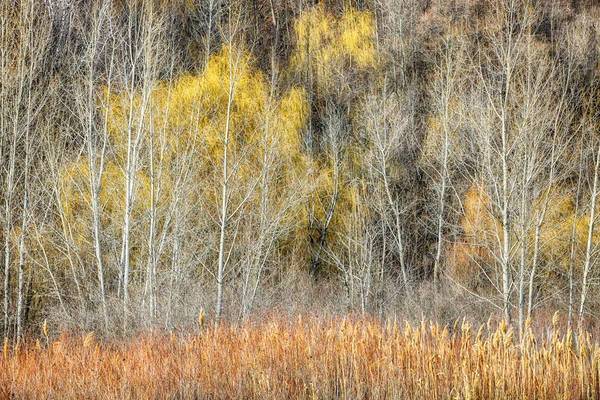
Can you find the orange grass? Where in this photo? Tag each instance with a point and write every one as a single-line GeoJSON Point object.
{"type": "Point", "coordinates": [282, 359]}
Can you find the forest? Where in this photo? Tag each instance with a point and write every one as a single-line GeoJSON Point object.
{"type": "Point", "coordinates": [235, 159]}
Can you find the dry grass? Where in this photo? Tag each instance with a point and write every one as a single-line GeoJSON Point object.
{"type": "Point", "coordinates": [340, 358]}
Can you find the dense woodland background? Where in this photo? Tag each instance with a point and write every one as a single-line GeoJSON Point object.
{"type": "Point", "coordinates": [391, 157]}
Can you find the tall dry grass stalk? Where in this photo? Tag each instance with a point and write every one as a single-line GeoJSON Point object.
{"type": "Point", "coordinates": [311, 358]}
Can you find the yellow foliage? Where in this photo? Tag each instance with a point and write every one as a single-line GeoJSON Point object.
{"type": "Point", "coordinates": [358, 37]}
{"type": "Point", "coordinates": [350, 208]}
{"type": "Point", "coordinates": [482, 233]}
{"type": "Point", "coordinates": [186, 120]}
{"type": "Point", "coordinates": [194, 111]}
{"type": "Point", "coordinates": [324, 43]}
{"type": "Point", "coordinates": [291, 118]}
{"type": "Point", "coordinates": [558, 228]}
{"type": "Point", "coordinates": [478, 220]}
{"type": "Point", "coordinates": [435, 140]}
{"type": "Point", "coordinates": [76, 199]}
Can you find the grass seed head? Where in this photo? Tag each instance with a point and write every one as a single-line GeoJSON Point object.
{"type": "Point", "coordinates": [201, 317]}
{"type": "Point", "coordinates": [432, 364]}
{"type": "Point", "coordinates": [555, 319]}
{"type": "Point", "coordinates": [89, 339]}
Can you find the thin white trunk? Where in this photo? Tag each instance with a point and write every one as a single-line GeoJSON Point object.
{"type": "Point", "coordinates": [398, 224]}
{"type": "Point", "coordinates": [506, 283]}
{"type": "Point", "coordinates": [441, 201]}
{"type": "Point", "coordinates": [174, 276]}
{"type": "Point", "coordinates": [8, 213]}
{"type": "Point", "coordinates": [524, 246]}
{"type": "Point", "coordinates": [25, 206]}
{"type": "Point", "coordinates": [506, 218]}
{"type": "Point", "coordinates": [8, 206]}
{"type": "Point", "coordinates": [22, 248]}
{"type": "Point", "coordinates": [129, 192]}
{"type": "Point", "coordinates": [590, 241]}
{"type": "Point", "coordinates": [224, 217]}
{"type": "Point", "coordinates": [96, 172]}
{"type": "Point", "coordinates": [573, 249]}
{"type": "Point", "coordinates": [328, 219]}
{"type": "Point", "coordinates": [447, 91]}
{"type": "Point", "coordinates": [537, 240]}
{"type": "Point", "coordinates": [149, 289]}
{"type": "Point", "coordinates": [133, 147]}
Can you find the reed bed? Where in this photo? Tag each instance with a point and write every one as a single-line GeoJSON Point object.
{"type": "Point", "coordinates": [314, 358]}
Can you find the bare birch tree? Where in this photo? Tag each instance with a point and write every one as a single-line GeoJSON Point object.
{"type": "Point", "coordinates": [23, 46]}
{"type": "Point", "coordinates": [388, 133]}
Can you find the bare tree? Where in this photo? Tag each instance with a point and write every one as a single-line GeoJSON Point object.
{"type": "Point", "coordinates": [441, 150]}
{"type": "Point", "coordinates": [388, 133]}
{"type": "Point", "coordinates": [234, 196]}
{"type": "Point", "coordinates": [23, 46]}
{"type": "Point", "coordinates": [96, 137]}
{"type": "Point", "coordinates": [590, 246]}
{"type": "Point", "coordinates": [496, 66]}
{"type": "Point", "coordinates": [546, 109]}
{"type": "Point", "coordinates": [140, 60]}
{"type": "Point", "coordinates": [279, 196]}
{"type": "Point", "coordinates": [328, 202]}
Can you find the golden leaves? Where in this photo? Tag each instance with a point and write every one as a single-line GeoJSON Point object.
{"type": "Point", "coordinates": [324, 42]}
{"type": "Point", "coordinates": [166, 125]}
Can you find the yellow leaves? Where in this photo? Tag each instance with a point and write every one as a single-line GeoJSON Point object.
{"type": "Point", "coordinates": [558, 225]}
{"type": "Point", "coordinates": [194, 110]}
{"type": "Point", "coordinates": [194, 113]}
{"type": "Point", "coordinates": [75, 195]}
{"type": "Point", "coordinates": [189, 118]}
{"type": "Point", "coordinates": [324, 43]}
{"type": "Point", "coordinates": [75, 188]}
{"type": "Point", "coordinates": [482, 234]}
{"type": "Point", "coordinates": [182, 102]}
{"type": "Point", "coordinates": [558, 228]}
{"type": "Point", "coordinates": [434, 139]}
{"type": "Point", "coordinates": [443, 137]}
{"type": "Point", "coordinates": [291, 119]}
{"type": "Point", "coordinates": [314, 30]}
{"type": "Point", "coordinates": [342, 193]}
{"type": "Point", "coordinates": [478, 219]}
{"type": "Point", "coordinates": [358, 37]}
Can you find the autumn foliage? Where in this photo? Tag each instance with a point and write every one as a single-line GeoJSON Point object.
{"type": "Point", "coordinates": [392, 157]}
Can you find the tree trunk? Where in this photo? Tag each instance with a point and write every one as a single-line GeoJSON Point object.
{"type": "Point", "coordinates": [590, 241]}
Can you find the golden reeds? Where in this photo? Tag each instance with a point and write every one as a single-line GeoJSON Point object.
{"type": "Point", "coordinates": [310, 358]}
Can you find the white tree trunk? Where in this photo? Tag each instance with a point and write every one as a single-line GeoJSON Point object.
{"type": "Point", "coordinates": [589, 247]}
